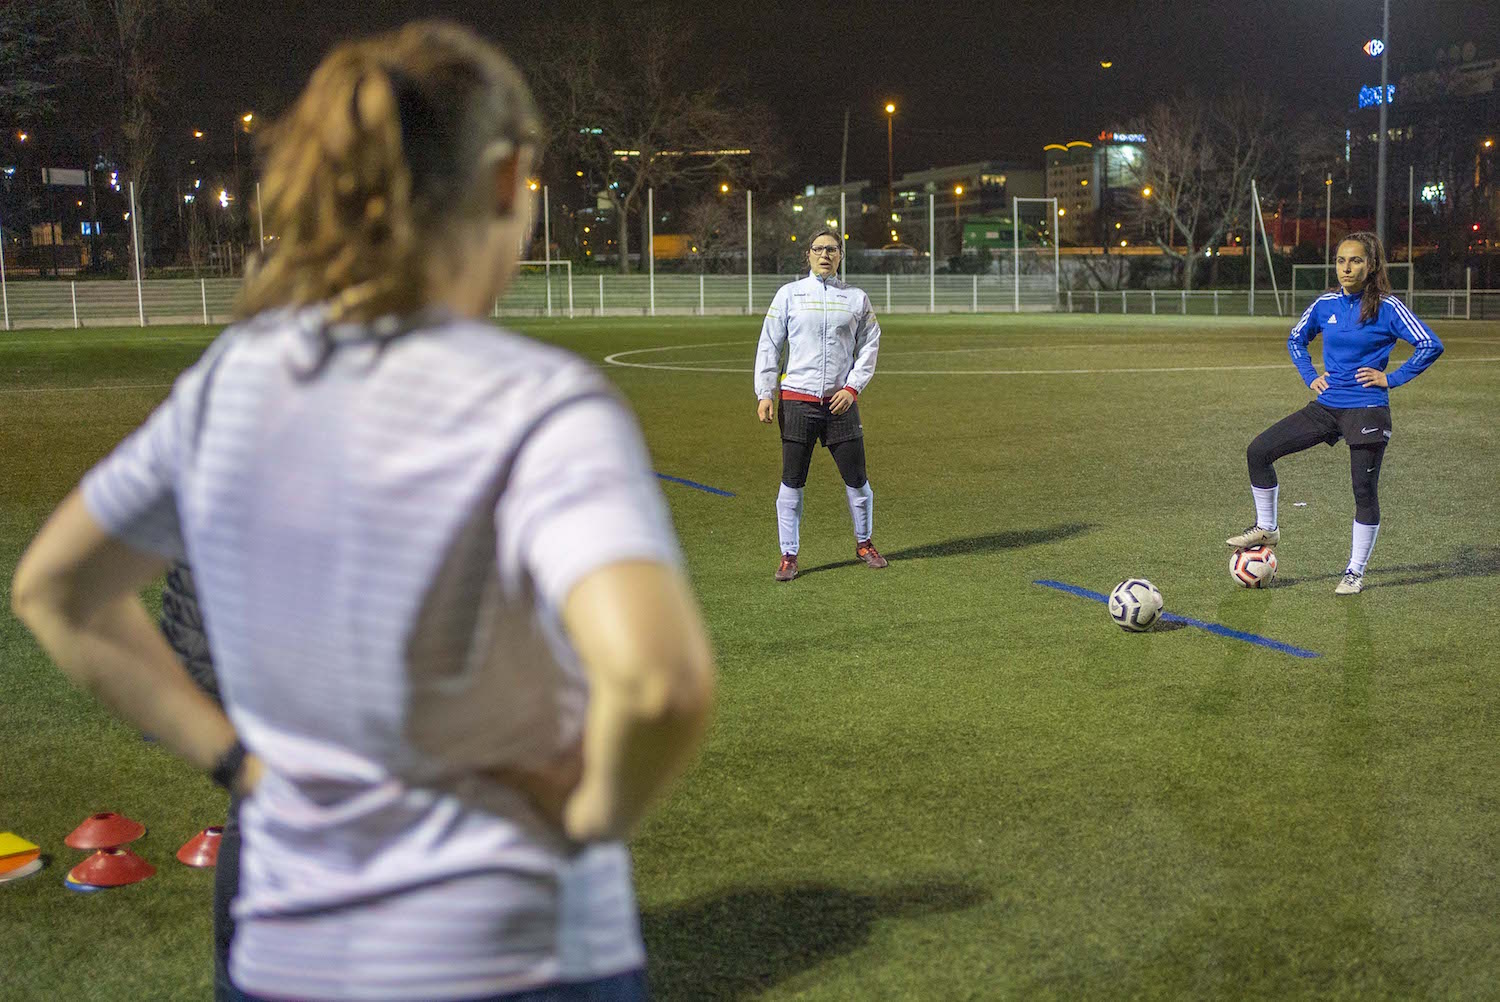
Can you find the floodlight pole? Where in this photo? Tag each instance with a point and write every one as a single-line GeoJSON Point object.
{"type": "Point", "coordinates": [651, 243]}
{"type": "Point", "coordinates": [749, 259]}
{"type": "Point", "coordinates": [1411, 201]}
{"type": "Point", "coordinates": [1327, 225]}
{"type": "Point", "coordinates": [1056, 257]}
{"type": "Point", "coordinates": [1253, 212]}
{"type": "Point", "coordinates": [1015, 249]}
{"type": "Point", "coordinates": [1385, 38]}
{"type": "Point", "coordinates": [135, 239]}
{"type": "Point", "coordinates": [260, 217]}
{"type": "Point", "coordinates": [931, 257]}
{"type": "Point", "coordinates": [4, 291]}
{"type": "Point", "coordinates": [547, 245]}
{"type": "Point", "coordinates": [843, 229]}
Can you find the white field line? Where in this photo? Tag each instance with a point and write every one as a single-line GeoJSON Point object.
{"type": "Point", "coordinates": [615, 360]}
{"type": "Point", "coordinates": [86, 389]}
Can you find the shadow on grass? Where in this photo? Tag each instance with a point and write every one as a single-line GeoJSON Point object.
{"type": "Point", "coordinates": [740, 943]}
{"type": "Point", "coordinates": [1477, 563]}
{"type": "Point", "coordinates": [992, 543]}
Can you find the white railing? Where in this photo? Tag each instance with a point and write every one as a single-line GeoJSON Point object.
{"type": "Point", "coordinates": [211, 300]}
{"type": "Point", "coordinates": [1430, 304]}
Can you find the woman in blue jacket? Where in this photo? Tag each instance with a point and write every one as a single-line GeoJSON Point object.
{"type": "Point", "coordinates": [1360, 323]}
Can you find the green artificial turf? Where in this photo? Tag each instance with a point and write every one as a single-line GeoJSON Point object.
{"type": "Point", "coordinates": [941, 780]}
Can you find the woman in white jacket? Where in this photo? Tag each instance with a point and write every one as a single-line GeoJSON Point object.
{"type": "Point", "coordinates": [831, 337]}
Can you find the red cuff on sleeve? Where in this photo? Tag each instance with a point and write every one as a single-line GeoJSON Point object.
{"type": "Point", "coordinates": [852, 390]}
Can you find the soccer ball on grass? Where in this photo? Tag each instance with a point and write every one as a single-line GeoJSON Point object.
{"type": "Point", "coordinates": [1134, 605]}
{"type": "Point", "coordinates": [1253, 567]}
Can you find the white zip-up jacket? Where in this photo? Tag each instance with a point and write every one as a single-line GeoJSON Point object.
{"type": "Point", "coordinates": [832, 334]}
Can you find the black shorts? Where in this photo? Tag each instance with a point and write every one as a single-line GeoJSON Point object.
{"type": "Point", "coordinates": [1355, 425]}
{"type": "Point", "coordinates": [807, 423]}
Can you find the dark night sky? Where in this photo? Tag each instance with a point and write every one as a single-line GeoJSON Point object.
{"type": "Point", "coordinates": [979, 80]}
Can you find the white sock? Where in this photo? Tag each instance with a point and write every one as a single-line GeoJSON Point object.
{"type": "Point", "coordinates": [862, 510]}
{"type": "Point", "coordinates": [789, 518]}
{"type": "Point", "coordinates": [1364, 542]}
{"type": "Point", "coordinates": [1265, 506]}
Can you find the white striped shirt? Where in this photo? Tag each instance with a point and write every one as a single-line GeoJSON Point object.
{"type": "Point", "coordinates": [380, 552]}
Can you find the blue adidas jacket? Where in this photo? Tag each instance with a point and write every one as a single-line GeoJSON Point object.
{"type": "Point", "coordinates": [1349, 345]}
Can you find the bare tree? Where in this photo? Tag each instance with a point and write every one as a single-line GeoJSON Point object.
{"type": "Point", "coordinates": [717, 233]}
{"type": "Point", "coordinates": [33, 58]}
{"type": "Point", "coordinates": [1201, 158]}
{"type": "Point", "coordinates": [132, 42]}
{"type": "Point", "coordinates": [621, 106]}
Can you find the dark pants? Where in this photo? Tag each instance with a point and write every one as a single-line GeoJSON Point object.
{"type": "Point", "coordinates": [226, 886]}
{"type": "Point", "coordinates": [1366, 429]}
{"type": "Point", "coordinates": [804, 424]}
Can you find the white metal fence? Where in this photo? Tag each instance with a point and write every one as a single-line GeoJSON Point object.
{"type": "Point", "coordinates": [211, 300]}
{"type": "Point", "coordinates": [1438, 304]}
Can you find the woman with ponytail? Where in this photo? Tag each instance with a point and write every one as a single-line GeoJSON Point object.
{"type": "Point", "coordinates": [1360, 322]}
{"type": "Point", "coordinates": [457, 653]}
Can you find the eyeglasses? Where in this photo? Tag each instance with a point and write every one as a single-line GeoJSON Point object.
{"type": "Point", "coordinates": [822, 250]}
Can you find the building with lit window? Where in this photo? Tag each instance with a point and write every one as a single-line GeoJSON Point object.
{"type": "Point", "coordinates": [1092, 180]}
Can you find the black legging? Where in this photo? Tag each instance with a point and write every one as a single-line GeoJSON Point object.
{"type": "Point", "coordinates": [1295, 433]}
{"type": "Point", "coordinates": [848, 456]}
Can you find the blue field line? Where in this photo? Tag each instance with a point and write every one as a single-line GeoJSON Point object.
{"type": "Point", "coordinates": [696, 486]}
{"type": "Point", "coordinates": [1223, 631]}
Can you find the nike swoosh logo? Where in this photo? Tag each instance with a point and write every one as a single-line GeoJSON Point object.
{"type": "Point", "coordinates": [1366, 431]}
{"type": "Point", "coordinates": [1369, 469]}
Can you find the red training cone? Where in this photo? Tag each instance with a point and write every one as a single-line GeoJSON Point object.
{"type": "Point", "coordinates": [111, 868]}
{"type": "Point", "coordinates": [105, 831]}
{"type": "Point", "coordinates": [203, 848]}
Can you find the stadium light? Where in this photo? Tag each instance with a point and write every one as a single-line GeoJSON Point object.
{"type": "Point", "coordinates": [958, 189]}
{"type": "Point", "coordinates": [1489, 143]}
{"type": "Point", "coordinates": [1062, 212]}
{"type": "Point", "coordinates": [247, 117]}
{"type": "Point", "coordinates": [532, 185]}
{"type": "Point", "coordinates": [23, 136]}
{"type": "Point", "coordinates": [724, 188]}
{"type": "Point", "coordinates": [890, 158]}
{"type": "Point", "coordinates": [197, 133]}
{"type": "Point", "coordinates": [1146, 191]}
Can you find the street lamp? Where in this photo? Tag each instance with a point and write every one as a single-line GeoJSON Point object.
{"type": "Point", "coordinates": [890, 157]}
{"type": "Point", "coordinates": [724, 188]}
{"type": "Point", "coordinates": [1146, 191]}
{"type": "Point", "coordinates": [958, 194]}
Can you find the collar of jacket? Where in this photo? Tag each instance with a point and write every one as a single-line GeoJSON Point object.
{"type": "Point", "coordinates": [832, 280]}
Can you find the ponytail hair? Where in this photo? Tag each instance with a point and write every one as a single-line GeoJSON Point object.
{"type": "Point", "coordinates": [1378, 281]}
{"type": "Point", "coordinates": [387, 151]}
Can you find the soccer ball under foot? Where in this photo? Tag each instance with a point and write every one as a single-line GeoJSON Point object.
{"type": "Point", "coordinates": [1134, 605]}
{"type": "Point", "coordinates": [1253, 567]}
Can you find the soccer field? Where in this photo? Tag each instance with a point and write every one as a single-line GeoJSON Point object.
{"type": "Point", "coordinates": [944, 780]}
